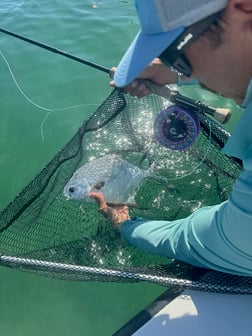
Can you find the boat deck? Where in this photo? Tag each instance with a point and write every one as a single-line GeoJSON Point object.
{"type": "Point", "coordinates": [194, 313]}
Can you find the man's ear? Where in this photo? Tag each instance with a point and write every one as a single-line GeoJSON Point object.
{"type": "Point", "coordinates": [240, 11]}
{"type": "Point", "coordinates": [244, 6]}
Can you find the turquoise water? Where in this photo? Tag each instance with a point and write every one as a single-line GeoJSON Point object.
{"type": "Point", "coordinates": [44, 99]}
{"type": "Point", "coordinates": [30, 136]}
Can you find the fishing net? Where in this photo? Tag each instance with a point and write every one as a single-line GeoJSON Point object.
{"type": "Point", "coordinates": [44, 233]}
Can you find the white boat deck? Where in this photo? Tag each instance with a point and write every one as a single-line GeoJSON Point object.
{"type": "Point", "coordinates": [198, 313]}
{"type": "Point", "coordinates": [202, 314]}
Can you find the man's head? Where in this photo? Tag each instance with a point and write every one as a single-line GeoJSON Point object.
{"type": "Point", "coordinates": [182, 33]}
{"type": "Point", "coordinates": [162, 23]}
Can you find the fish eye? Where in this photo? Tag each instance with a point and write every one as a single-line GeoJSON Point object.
{"type": "Point", "coordinates": [71, 189]}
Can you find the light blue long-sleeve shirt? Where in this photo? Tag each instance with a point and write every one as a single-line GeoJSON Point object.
{"type": "Point", "coordinates": [217, 237]}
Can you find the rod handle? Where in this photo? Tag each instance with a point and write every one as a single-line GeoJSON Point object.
{"type": "Point", "coordinates": [222, 115]}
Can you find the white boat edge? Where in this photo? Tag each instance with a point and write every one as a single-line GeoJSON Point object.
{"type": "Point", "coordinates": [195, 313]}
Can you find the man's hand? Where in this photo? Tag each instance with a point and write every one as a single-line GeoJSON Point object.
{"type": "Point", "coordinates": [115, 213]}
{"type": "Point", "coordinates": [156, 72]}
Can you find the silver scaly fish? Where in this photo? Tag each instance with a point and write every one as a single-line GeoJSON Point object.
{"type": "Point", "coordinates": [114, 177]}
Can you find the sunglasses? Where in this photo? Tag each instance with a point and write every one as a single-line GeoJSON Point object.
{"type": "Point", "coordinates": [174, 56]}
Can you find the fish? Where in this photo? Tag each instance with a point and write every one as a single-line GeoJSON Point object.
{"type": "Point", "coordinates": [117, 179]}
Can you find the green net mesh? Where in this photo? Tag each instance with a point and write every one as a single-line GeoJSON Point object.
{"type": "Point", "coordinates": [42, 232]}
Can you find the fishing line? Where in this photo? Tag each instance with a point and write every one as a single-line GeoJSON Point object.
{"type": "Point", "coordinates": [56, 51]}
{"type": "Point", "coordinates": [32, 102]}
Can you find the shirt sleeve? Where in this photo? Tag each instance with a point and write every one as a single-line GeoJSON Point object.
{"type": "Point", "coordinates": [216, 237]}
{"type": "Point", "coordinates": [241, 138]}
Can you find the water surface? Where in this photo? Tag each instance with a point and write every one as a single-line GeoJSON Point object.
{"type": "Point", "coordinates": [44, 99]}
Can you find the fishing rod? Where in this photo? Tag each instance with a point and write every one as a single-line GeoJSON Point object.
{"type": "Point", "coordinates": [221, 115]}
{"type": "Point", "coordinates": [55, 50]}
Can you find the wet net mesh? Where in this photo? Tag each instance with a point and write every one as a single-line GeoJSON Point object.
{"type": "Point", "coordinates": [43, 233]}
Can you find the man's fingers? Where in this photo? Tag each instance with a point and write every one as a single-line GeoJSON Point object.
{"type": "Point", "coordinates": [112, 72]}
{"type": "Point", "coordinates": [136, 88]}
{"type": "Point", "coordinates": [99, 199]}
{"type": "Point", "coordinates": [116, 213]}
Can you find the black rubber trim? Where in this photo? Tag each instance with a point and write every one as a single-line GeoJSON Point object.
{"type": "Point", "coordinates": [146, 314]}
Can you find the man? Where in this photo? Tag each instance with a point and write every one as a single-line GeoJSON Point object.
{"type": "Point", "coordinates": [210, 41]}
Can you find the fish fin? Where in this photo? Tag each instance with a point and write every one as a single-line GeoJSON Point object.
{"type": "Point", "coordinates": [99, 185]}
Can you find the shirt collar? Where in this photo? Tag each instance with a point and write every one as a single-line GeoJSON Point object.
{"type": "Point", "coordinates": [248, 97]}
